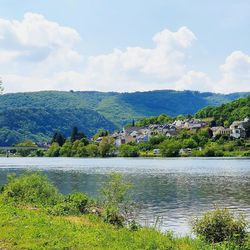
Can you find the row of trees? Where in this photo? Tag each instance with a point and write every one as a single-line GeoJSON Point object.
{"type": "Point", "coordinates": [200, 143]}
{"type": "Point", "coordinates": [82, 148]}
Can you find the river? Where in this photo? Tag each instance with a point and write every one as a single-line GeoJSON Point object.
{"type": "Point", "coordinates": [170, 191]}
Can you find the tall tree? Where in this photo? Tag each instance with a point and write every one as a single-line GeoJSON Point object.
{"type": "Point", "coordinates": [75, 135]}
{"type": "Point", "coordinates": [59, 138]}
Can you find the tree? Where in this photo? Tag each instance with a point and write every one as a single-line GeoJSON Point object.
{"type": "Point", "coordinates": [128, 151]}
{"type": "Point", "coordinates": [59, 138]}
{"type": "Point", "coordinates": [66, 149]}
{"type": "Point", "coordinates": [115, 199]}
{"type": "Point", "coordinates": [189, 143]}
{"type": "Point", "coordinates": [101, 133]}
{"type": "Point", "coordinates": [75, 135]}
{"type": "Point", "coordinates": [106, 146]}
{"type": "Point", "coordinates": [170, 148]}
{"type": "Point", "coordinates": [54, 150]}
{"type": "Point", "coordinates": [92, 150]}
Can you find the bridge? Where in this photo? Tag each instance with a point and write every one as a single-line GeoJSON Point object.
{"type": "Point", "coordinates": [16, 148]}
{"type": "Point", "coordinates": [8, 150]}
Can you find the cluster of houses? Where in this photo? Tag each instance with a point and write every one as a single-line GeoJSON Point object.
{"type": "Point", "coordinates": [143, 134]}
{"type": "Point", "coordinates": [135, 134]}
{"type": "Point", "coordinates": [238, 129]}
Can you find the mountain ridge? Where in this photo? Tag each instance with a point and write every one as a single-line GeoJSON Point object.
{"type": "Point", "coordinates": [93, 110]}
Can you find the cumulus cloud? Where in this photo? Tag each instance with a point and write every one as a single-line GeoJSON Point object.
{"type": "Point", "coordinates": [36, 31]}
{"type": "Point", "coordinates": [235, 73]}
{"type": "Point", "coordinates": [194, 80]}
{"type": "Point", "coordinates": [38, 54]}
{"type": "Point", "coordinates": [164, 62]}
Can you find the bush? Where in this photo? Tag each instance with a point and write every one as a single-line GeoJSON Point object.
{"type": "Point", "coordinates": [221, 225]}
{"type": "Point", "coordinates": [115, 199]}
{"type": "Point", "coordinates": [31, 188]}
{"type": "Point", "coordinates": [170, 148]}
{"type": "Point", "coordinates": [128, 151]}
{"type": "Point", "coordinates": [73, 204]}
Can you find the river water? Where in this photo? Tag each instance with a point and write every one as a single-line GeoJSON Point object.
{"type": "Point", "coordinates": [169, 191]}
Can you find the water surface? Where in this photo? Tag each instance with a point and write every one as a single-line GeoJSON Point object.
{"type": "Point", "coordinates": [172, 189]}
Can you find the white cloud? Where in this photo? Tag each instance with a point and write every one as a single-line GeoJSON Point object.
{"type": "Point", "coordinates": [35, 40]}
{"type": "Point", "coordinates": [36, 31]}
{"type": "Point", "coordinates": [164, 63]}
{"type": "Point", "coordinates": [38, 54]}
{"type": "Point", "coordinates": [235, 73]}
{"type": "Point", "coordinates": [194, 80]}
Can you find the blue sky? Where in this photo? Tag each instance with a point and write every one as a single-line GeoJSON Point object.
{"type": "Point", "coordinates": [203, 45]}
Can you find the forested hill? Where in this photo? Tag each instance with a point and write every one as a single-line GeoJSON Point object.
{"type": "Point", "coordinates": [227, 113]}
{"type": "Point", "coordinates": [37, 124]}
{"type": "Point", "coordinates": [37, 115]}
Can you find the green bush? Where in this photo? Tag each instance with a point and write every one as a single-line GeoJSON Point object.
{"type": "Point", "coordinates": [170, 148]}
{"type": "Point", "coordinates": [115, 199]}
{"type": "Point", "coordinates": [221, 225]}
{"type": "Point", "coordinates": [73, 204]}
{"type": "Point", "coordinates": [247, 153]}
{"type": "Point", "coordinates": [31, 188]}
{"type": "Point", "coordinates": [128, 151]}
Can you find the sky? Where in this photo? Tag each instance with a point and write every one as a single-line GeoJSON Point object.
{"type": "Point", "coordinates": [125, 46]}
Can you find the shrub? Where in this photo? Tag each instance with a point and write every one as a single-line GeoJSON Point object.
{"type": "Point", "coordinates": [221, 225]}
{"type": "Point", "coordinates": [73, 204]}
{"type": "Point", "coordinates": [247, 153]}
{"type": "Point", "coordinates": [115, 199]}
{"type": "Point", "coordinates": [31, 188]}
{"type": "Point", "coordinates": [128, 151]}
{"type": "Point", "coordinates": [170, 148]}
{"type": "Point", "coordinates": [54, 150]}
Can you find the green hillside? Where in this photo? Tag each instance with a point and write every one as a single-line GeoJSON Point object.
{"type": "Point", "coordinates": [39, 124]}
{"type": "Point", "coordinates": [37, 115]}
{"type": "Point", "coordinates": [227, 113]}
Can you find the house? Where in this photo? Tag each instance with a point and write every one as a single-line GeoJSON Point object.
{"type": "Point", "coordinates": [194, 124]}
{"type": "Point", "coordinates": [185, 151]}
{"type": "Point", "coordinates": [131, 129]}
{"type": "Point", "coordinates": [240, 129]}
{"type": "Point", "coordinates": [220, 131]}
{"type": "Point", "coordinates": [179, 124]}
{"type": "Point", "coordinates": [156, 151]}
{"type": "Point", "coordinates": [189, 124]}
{"type": "Point", "coordinates": [99, 139]}
{"type": "Point", "coordinates": [162, 129]}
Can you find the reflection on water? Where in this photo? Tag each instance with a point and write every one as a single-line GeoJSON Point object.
{"type": "Point", "coordinates": [173, 189]}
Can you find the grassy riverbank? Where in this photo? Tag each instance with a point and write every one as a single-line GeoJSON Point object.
{"type": "Point", "coordinates": [26, 228]}
{"type": "Point", "coordinates": [35, 215]}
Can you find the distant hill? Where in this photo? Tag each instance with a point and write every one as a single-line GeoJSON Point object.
{"type": "Point", "coordinates": [37, 115]}
{"type": "Point", "coordinates": [227, 113]}
{"type": "Point", "coordinates": [39, 124]}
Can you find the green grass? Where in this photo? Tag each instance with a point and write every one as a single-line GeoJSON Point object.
{"type": "Point", "coordinates": [26, 228]}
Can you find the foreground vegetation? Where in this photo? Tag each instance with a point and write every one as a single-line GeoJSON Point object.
{"type": "Point", "coordinates": [35, 215]}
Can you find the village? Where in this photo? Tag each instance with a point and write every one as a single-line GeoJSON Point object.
{"type": "Point", "coordinates": [237, 130]}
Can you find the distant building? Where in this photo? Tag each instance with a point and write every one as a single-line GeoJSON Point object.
{"type": "Point", "coordinates": [220, 131]}
{"type": "Point", "coordinates": [240, 129]}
